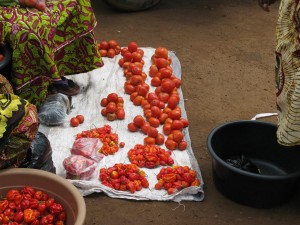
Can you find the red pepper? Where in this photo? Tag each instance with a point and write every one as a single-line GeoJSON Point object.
{"type": "Point", "coordinates": [33, 203]}
{"type": "Point", "coordinates": [170, 177]}
{"type": "Point", "coordinates": [28, 190]}
{"type": "Point", "coordinates": [41, 207]}
{"type": "Point", "coordinates": [3, 205]}
{"type": "Point", "coordinates": [19, 216]}
{"type": "Point", "coordinates": [56, 208]}
{"type": "Point", "coordinates": [25, 204]}
{"type": "Point", "coordinates": [62, 216]}
{"type": "Point", "coordinates": [38, 195]}
{"type": "Point", "coordinates": [29, 215]}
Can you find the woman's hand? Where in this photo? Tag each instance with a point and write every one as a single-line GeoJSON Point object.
{"type": "Point", "coordinates": [264, 4]}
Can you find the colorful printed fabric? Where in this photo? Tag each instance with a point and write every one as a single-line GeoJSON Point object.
{"type": "Point", "coordinates": [288, 73]}
{"type": "Point", "coordinates": [18, 128]}
{"type": "Point", "coordinates": [5, 86]}
{"type": "Point", "coordinates": [47, 45]}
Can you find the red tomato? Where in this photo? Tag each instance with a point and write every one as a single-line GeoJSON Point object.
{"type": "Point", "coordinates": [74, 122]}
{"type": "Point", "coordinates": [182, 145]}
{"type": "Point", "coordinates": [177, 125]}
{"type": "Point", "coordinates": [112, 97]}
{"type": "Point", "coordinates": [165, 73]}
{"type": "Point", "coordinates": [111, 53]}
{"type": "Point", "coordinates": [103, 52]}
{"type": "Point", "coordinates": [167, 128]}
{"type": "Point", "coordinates": [153, 70]}
{"type": "Point", "coordinates": [161, 52]}
{"type": "Point", "coordinates": [123, 51]}
{"type": "Point", "coordinates": [163, 118]}
{"type": "Point", "coordinates": [151, 96]}
{"type": "Point", "coordinates": [129, 89]}
{"type": "Point", "coordinates": [111, 107]}
{"type": "Point", "coordinates": [145, 127]}
{"type": "Point", "coordinates": [127, 56]}
{"type": "Point", "coordinates": [138, 100]}
{"type": "Point", "coordinates": [103, 45]}
{"type": "Point", "coordinates": [132, 127]}
{"type": "Point", "coordinates": [138, 120]}
{"type": "Point", "coordinates": [103, 112]}
{"type": "Point", "coordinates": [156, 111]}
{"type": "Point", "coordinates": [160, 139]}
{"type": "Point", "coordinates": [167, 85]}
{"type": "Point", "coordinates": [136, 70]}
{"type": "Point", "coordinates": [80, 118]}
{"type": "Point", "coordinates": [177, 135]}
{"type": "Point", "coordinates": [132, 46]}
{"type": "Point", "coordinates": [141, 51]}
{"type": "Point", "coordinates": [152, 132]}
{"type": "Point", "coordinates": [142, 90]}
{"type": "Point", "coordinates": [120, 114]}
{"type": "Point", "coordinates": [136, 57]}
{"type": "Point", "coordinates": [112, 44]}
{"type": "Point", "coordinates": [161, 63]}
{"type": "Point", "coordinates": [103, 102]}
{"type": "Point", "coordinates": [154, 122]}
{"type": "Point", "coordinates": [111, 116]}
{"type": "Point", "coordinates": [149, 141]}
{"type": "Point", "coordinates": [185, 122]}
{"type": "Point", "coordinates": [122, 144]}
{"type": "Point", "coordinates": [170, 144]}
{"type": "Point", "coordinates": [175, 114]}
{"type": "Point", "coordinates": [155, 82]}
{"type": "Point", "coordinates": [172, 102]}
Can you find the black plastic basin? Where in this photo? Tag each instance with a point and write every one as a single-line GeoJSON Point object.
{"type": "Point", "coordinates": [279, 166]}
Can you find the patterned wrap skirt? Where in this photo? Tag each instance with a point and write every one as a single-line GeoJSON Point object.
{"type": "Point", "coordinates": [287, 74]}
{"type": "Point", "coordinates": [47, 45]}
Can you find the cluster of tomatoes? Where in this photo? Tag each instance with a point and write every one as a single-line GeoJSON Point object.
{"type": "Point", "coordinates": [114, 107]}
{"type": "Point", "coordinates": [109, 48]}
{"type": "Point", "coordinates": [109, 140]}
{"type": "Point", "coordinates": [30, 206]}
{"type": "Point", "coordinates": [149, 156]}
{"type": "Point", "coordinates": [124, 177]}
{"type": "Point", "coordinates": [76, 120]}
{"type": "Point", "coordinates": [174, 179]}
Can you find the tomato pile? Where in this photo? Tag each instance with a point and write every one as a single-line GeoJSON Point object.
{"type": "Point", "coordinates": [174, 179]}
{"type": "Point", "coordinates": [124, 177]}
{"type": "Point", "coordinates": [114, 107]}
{"type": "Point", "coordinates": [30, 206]}
{"type": "Point", "coordinates": [75, 121]}
{"type": "Point", "coordinates": [149, 156]}
{"type": "Point", "coordinates": [108, 139]}
{"type": "Point", "coordinates": [109, 48]}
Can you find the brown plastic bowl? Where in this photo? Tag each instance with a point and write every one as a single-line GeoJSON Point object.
{"type": "Point", "coordinates": [55, 186]}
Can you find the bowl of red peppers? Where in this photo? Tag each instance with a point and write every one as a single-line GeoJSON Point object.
{"type": "Point", "coordinates": [31, 196]}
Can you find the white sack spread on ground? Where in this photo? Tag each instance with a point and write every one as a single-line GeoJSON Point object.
{"type": "Point", "coordinates": [96, 85]}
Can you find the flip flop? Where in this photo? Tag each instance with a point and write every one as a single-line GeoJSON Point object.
{"type": "Point", "coordinates": [66, 86]}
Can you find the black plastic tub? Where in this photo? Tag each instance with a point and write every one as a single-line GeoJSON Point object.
{"type": "Point", "coordinates": [279, 166]}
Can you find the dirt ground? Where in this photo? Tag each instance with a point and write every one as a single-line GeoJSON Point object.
{"type": "Point", "coordinates": [226, 50]}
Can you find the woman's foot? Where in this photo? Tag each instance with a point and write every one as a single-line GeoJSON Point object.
{"type": "Point", "coordinates": [66, 86]}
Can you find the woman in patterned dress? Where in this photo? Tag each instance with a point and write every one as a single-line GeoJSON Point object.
{"type": "Point", "coordinates": [46, 45]}
{"type": "Point", "coordinates": [287, 71]}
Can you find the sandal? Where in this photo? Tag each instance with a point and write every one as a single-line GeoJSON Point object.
{"type": "Point", "coordinates": [66, 86]}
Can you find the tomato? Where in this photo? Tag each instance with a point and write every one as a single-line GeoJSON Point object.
{"type": "Point", "coordinates": [132, 46]}
{"type": "Point", "coordinates": [136, 80]}
{"type": "Point", "coordinates": [177, 82]}
{"type": "Point", "coordinates": [151, 96]}
{"type": "Point", "coordinates": [142, 90]}
{"type": "Point", "coordinates": [185, 122]}
{"type": "Point", "coordinates": [112, 97]}
{"type": "Point", "coordinates": [165, 73]}
{"type": "Point", "coordinates": [80, 118]}
{"type": "Point", "coordinates": [177, 125]}
{"type": "Point", "coordinates": [145, 127]}
{"type": "Point", "coordinates": [138, 100]}
{"type": "Point", "coordinates": [138, 120]}
{"type": "Point", "coordinates": [111, 53]}
{"type": "Point", "coordinates": [156, 111]}
{"type": "Point", "coordinates": [155, 82]}
{"type": "Point", "coordinates": [152, 132]}
{"type": "Point", "coordinates": [161, 63]}
{"type": "Point", "coordinates": [182, 145]}
{"type": "Point", "coordinates": [136, 57]}
{"type": "Point", "coordinates": [163, 96]}
{"type": "Point", "coordinates": [155, 102]}
{"type": "Point", "coordinates": [147, 113]}
{"type": "Point", "coordinates": [167, 85]}
{"type": "Point", "coordinates": [177, 135]}
{"type": "Point", "coordinates": [129, 88]}
{"type": "Point", "coordinates": [118, 49]}
{"type": "Point", "coordinates": [140, 51]}
{"type": "Point", "coordinates": [111, 107]}
{"type": "Point", "coordinates": [153, 70]}
{"type": "Point", "coordinates": [160, 139]}
{"type": "Point", "coordinates": [154, 122]}
{"type": "Point", "coordinates": [163, 118]}
{"type": "Point", "coordinates": [74, 122]}
{"type": "Point", "coordinates": [103, 52]}
{"type": "Point", "coordinates": [172, 102]}
{"type": "Point", "coordinates": [123, 51]}
{"type": "Point", "coordinates": [120, 114]}
{"type": "Point", "coordinates": [111, 116]}
{"type": "Point", "coordinates": [171, 144]}
{"type": "Point", "coordinates": [149, 141]}
{"type": "Point", "coordinates": [103, 102]}
{"type": "Point", "coordinates": [112, 44]}
{"type": "Point", "coordinates": [167, 128]}
{"type": "Point", "coordinates": [132, 127]}
{"type": "Point", "coordinates": [175, 114]}
{"type": "Point", "coordinates": [104, 45]}
{"type": "Point", "coordinates": [103, 112]}
{"type": "Point", "coordinates": [136, 70]}
{"type": "Point", "coordinates": [161, 52]}
{"type": "Point", "coordinates": [127, 56]}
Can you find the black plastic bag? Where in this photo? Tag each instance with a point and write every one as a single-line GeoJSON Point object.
{"type": "Point", "coordinates": [39, 155]}
{"type": "Point", "coordinates": [54, 110]}
{"type": "Point", "coordinates": [241, 162]}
